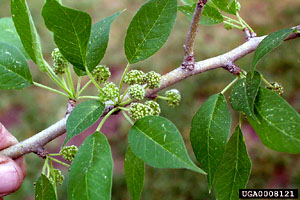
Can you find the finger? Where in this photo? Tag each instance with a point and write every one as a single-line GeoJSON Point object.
{"type": "Point", "coordinates": [6, 139]}
{"type": "Point", "coordinates": [11, 176]}
{"type": "Point", "coordinates": [22, 164]}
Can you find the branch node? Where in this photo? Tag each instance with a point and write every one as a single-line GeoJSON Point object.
{"type": "Point", "coordinates": [41, 152]}
{"type": "Point", "coordinates": [249, 34]}
{"type": "Point", "coordinates": [188, 62]}
{"type": "Point", "coordinates": [233, 68]}
{"type": "Point", "coordinates": [70, 106]}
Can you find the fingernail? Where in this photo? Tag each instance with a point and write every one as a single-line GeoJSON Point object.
{"type": "Point", "coordinates": [3, 159]}
{"type": "Point", "coordinates": [9, 177]}
{"type": "Point", "coordinates": [1, 125]}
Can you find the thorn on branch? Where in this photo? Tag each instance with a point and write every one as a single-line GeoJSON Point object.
{"type": "Point", "coordinates": [233, 68]}
{"type": "Point", "coordinates": [41, 152]}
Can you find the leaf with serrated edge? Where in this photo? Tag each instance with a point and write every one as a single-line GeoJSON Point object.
{"type": "Point", "coordinates": [234, 170]}
{"type": "Point", "coordinates": [149, 29]}
{"type": "Point", "coordinates": [8, 34]}
{"type": "Point", "coordinates": [269, 43]}
{"type": "Point", "coordinates": [278, 124]}
{"type": "Point", "coordinates": [157, 142]}
{"type": "Point", "coordinates": [71, 31]}
{"type": "Point", "coordinates": [83, 116]}
{"type": "Point", "coordinates": [134, 170]}
{"type": "Point", "coordinates": [14, 70]}
{"type": "Point", "coordinates": [244, 92]}
{"type": "Point", "coordinates": [27, 32]}
{"type": "Point", "coordinates": [210, 15]}
{"type": "Point", "coordinates": [92, 170]}
{"type": "Point", "coordinates": [98, 41]}
{"type": "Point", "coordinates": [209, 134]}
{"type": "Point", "coordinates": [44, 189]}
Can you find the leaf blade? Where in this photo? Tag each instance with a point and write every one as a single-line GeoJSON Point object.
{"type": "Point", "coordinates": [209, 134]}
{"type": "Point", "coordinates": [83, 116]}
{"type": "Point", "coordinates": [157, 142]}
{"type": "Point", "coordinates": [210, 15]}
{"type": "Point", "coordinates": [70, 35]}
{"type": "Point", "coordinates": [269, 43]}
{"type": "Point", "coordinates": [99, 40]}
{"type": "Point", "coordinates": [243, 94]}
{"type": "Point", "coordinates": [92, 170]}
{"type": "Point", "coordinates": [134, 169]}
{"type": "Point", "coordinates": [28, 34]}
{"type": "Point", "coordinates": [278, 124]}
{"type": "Point", "coordinates": [229, 6]}
{"type": "Point", "coordinates": [14, 70]}
{"type": "Point", "coordinates": [234, 169]}
{"type": "Point", "coordinates": [149, 29]}
{"type": "Point", "coordinates": [44, 189]}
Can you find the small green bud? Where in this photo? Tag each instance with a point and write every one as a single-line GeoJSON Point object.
{"type": "Point", "coordinates": [153, 80]}
{"type": "Point", "coordinates": [238, 6]}
{"type": "Point", "coordinates": [110, 92]}
{"type": "Point", "coordinates": [135, 77]}
{"type": "Point", "coordinates": [136, 92]}
{"type": "Point", "coordinates": [59, 62]}
{"type": "Point", "coordinates": [69, 152]}
{"type": "Point", "coordinates": [101, 73]}
{"type": "Point", "coordinates": [57, 177]}
{"type": "Point", "coordinates": [228, 26]}
{"type": "Point", "coordinates": [139, 110]}
{"type": "Point", "coordinates": [174, 97]}
{"type": "Point", "coordinates": [155, 107]}
{"type": "Point", "coordinates": [276, 87]}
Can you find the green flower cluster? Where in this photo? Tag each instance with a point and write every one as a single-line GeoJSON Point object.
{"type": "Point", "coordinates": [139, 110]}
{"type": "Point", "coordinates": [69, 152]}
{"type": "Point", "coordinates": [153, 80]}
{"type": "Point", "coordinates": [173, 97]}
{"type": "Point", "coordinates": [136, 92]}
{"type": "Point", "coordinates": [276, 87]}
{"type": "Point", "coordinates": [109, 92]}
{"type": "Point", "coordinates": [57, 177]}
{"type": "Point", "coordinates": [101, 73]}
{"type": "Point", "coordinates": [59, 62]}
{"type": "Point", "coordinates": [135, 77]}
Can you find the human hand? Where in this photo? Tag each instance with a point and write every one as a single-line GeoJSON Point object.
{"type": "Point", "coordinates": [12, 172]}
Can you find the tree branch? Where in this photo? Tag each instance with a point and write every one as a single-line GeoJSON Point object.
{"type": "Point", "coordinates": [189, 58]}
{"type": "Point", "coordinates": [34, 143]}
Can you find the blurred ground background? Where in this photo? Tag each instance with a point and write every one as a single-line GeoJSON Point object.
{"type": "Point", "coordinates": [31, 110]}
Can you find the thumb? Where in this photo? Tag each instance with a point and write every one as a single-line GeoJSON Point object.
{"type": "Point", "coordinates": [10, 176]}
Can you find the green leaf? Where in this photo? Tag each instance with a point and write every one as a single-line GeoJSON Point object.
{"type": "Point", "coordinates": [134, 169]}
{"type": "Point", "coordinates": [150, 29]}
{"type": "Point", "coordinates": [229, 6]}
{"type": "Point", "coordinates": [92, 170]}
{"type": "Point", "coordinates": [14, 70]}
{"type": "Point", "coordinates": [189, 2]}
{"type": "Point", "coordinates": [158, 142]}
{"type": "Point", "coordinates": [210, 15]}
{"type": "Point", "coordinates": [8, 34]}
{"type": "Point", "coordinates": [269, 43]}
{"type": "Point", "coordinates": [278, 124]}
{"type": "Point", "coordinates": [44, 189]}
{"type": "Point", "coordinates": [98, 41]}
{"type": "Point", "coordinates": [234, 170]}
{"type": "Point", "coordinates": [79, 72]}
{"type": "Point", "coordinates": [244, 92]}
{"type": "Point", "coordinates": [71, 31]}
{"type": "Point", "coordinates": [83, 116]}
{"type": "Point", "coordinates": [209, 134]}
{"type": "Point", "coordinates": [27, 32]}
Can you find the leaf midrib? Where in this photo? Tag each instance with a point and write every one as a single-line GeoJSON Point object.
{"type": "Point", "coordinates": [166, 149]}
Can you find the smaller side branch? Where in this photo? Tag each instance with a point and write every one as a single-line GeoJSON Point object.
{"type": "Point", "coordinates": [189, 58]}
